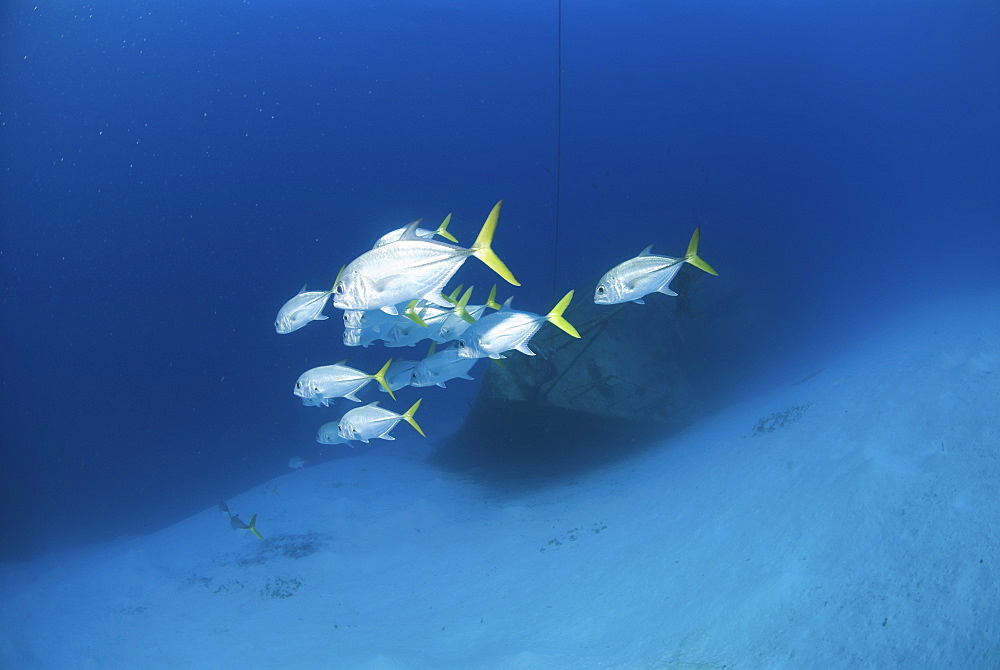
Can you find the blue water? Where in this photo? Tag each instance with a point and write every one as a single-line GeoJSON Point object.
{"type": "Point", "coordinates": [172, 172]}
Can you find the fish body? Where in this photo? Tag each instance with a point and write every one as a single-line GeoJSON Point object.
{"type": "Point", "coordinates": [327, 434]}
{"type": "Point", "coordinates": [322, 384]}
{"type": "Point", "coordinates": [405, 333]}
{"type": "Point", "coordinates": [510, 329]}
{"type": "Point", "coordinates": [457, 322]}
{"type": "Point", "coordinates": [373, 320]}
{"type": "Point", "coordinates": [359, 337]}
{"type": "Point", "coordinates": [394, 235]}
{"type": "Point", "coordinates": [305, 307]}
{"type": "Point", "coordinates": [400, 373]}
{"type": "Point", "coordinates": [371, 421]}
{"type": "Point", "coordinates": [646, 273]}
{"type": "Point", "coordinates": [441, 367]}
{"type": "Point", "coordinates": [412, 268]}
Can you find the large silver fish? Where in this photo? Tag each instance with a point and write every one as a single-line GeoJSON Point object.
{"type": "Point", "coordinates": [394, 235]}
{"type": "Point", "coordinates": [371, 421]}
{"type": "Point", "coordinates": [412, 268]}
{"type": "Point", "coordinates": [510, 329]}
{"type": "Point", "coordinates": [322, 384]}
{"type": "Point", "coordinates": [645, 274]}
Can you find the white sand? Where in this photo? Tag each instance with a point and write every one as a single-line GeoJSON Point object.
{"type": "Point", "coordinates": [863, 532]}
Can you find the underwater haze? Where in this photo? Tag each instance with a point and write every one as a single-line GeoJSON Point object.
{"type": "Point", "coordinates": [174, 172]}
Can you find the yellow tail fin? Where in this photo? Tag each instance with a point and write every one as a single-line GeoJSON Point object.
{"type": "Point", "coordinates": [408, 417]}
{"type": "Point", "coordinates": [411, 313]}
{"type": "Point", "coordinates": [481, 247]}
{"type": "Point", "coordinates": [253, 527]}
{"type": "Point", "coordinates": [380, 378]}
{"type": "Point", "coordinates": [460, 307]}
{"type": "Point", "coordinates": [555, 317]}
{"type": "Point", "coordinates": [491, 302]}
{"type": "Point", "coordinates": [692, 254]}
{"type": "Point", "coordinates": [442, 230]}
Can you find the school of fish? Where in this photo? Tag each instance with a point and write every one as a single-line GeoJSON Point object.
{"type": "Point", "coordinates": [394, 293]}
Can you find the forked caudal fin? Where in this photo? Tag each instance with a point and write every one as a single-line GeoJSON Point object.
{"type": "Point", "coordinates": [692, 254]}
{"type": "Point", "coordinates": [380, 378]}
{"type": "Point", "coordinates": [253, 527]}
{"type": "Point", "coordinates": [442, 230]}
{"type": "Point", "coordinates": [555, 317]}
{"type": "Point", "coordinates": [481, 247]}
{"type": "Point", "coordinates": [411, 313]}
{"type": "Point", "coordinates": [460, 307]}
{"type": "Point", "coordinates": [408, 417]}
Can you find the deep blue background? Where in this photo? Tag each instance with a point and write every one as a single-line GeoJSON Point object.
{"type": "Point", "coordinates": [172, 172]}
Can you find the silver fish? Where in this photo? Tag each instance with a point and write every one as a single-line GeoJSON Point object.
{"type": "Point", "coordinates": [304, 308]}
{"type": "Point", "coordinates": [441, 367]}
{"type": "Point", "coordinates": [322, 384]}
{"type": "Point", "coordinates": [441, 230]}
{"type": "Point", "coordinates": [371, 421]}
{"type": "Point", "coordinates": [510, 329]}
{"type": "Point", "coordinates": [456, 324]}
{"type": "Point", "coordinates": [645, 274]}
{"type": "Point", "coordinates": [412, 268]}
{"type": "Point", "coordinates": [327, 434]}
{"type": "Point", "coordinates": [400, 373]}
{"type": "Point", "coordinates": [359, 337]}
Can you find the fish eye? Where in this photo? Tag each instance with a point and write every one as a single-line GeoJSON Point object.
{"type": "Point", "coordinates": [461, 344]}
{"type": "Point", "coordinates": [298, 385]}
{"type": "Point", "coordinates": [600, 289]}
{"type": "Point", "coordinates": [340, 289]}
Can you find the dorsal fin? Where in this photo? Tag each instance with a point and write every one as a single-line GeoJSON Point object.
{"type": "Point", "coordinates": [372, 404]}
{"type": "Point", "coordinates": [647, 251]}
{"type": "Point", "coordinates": [491, 302]}
{"type": "Point", "coordinates": [342, 362]}
{"type": "Point", "coordinates": [411, 230]}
